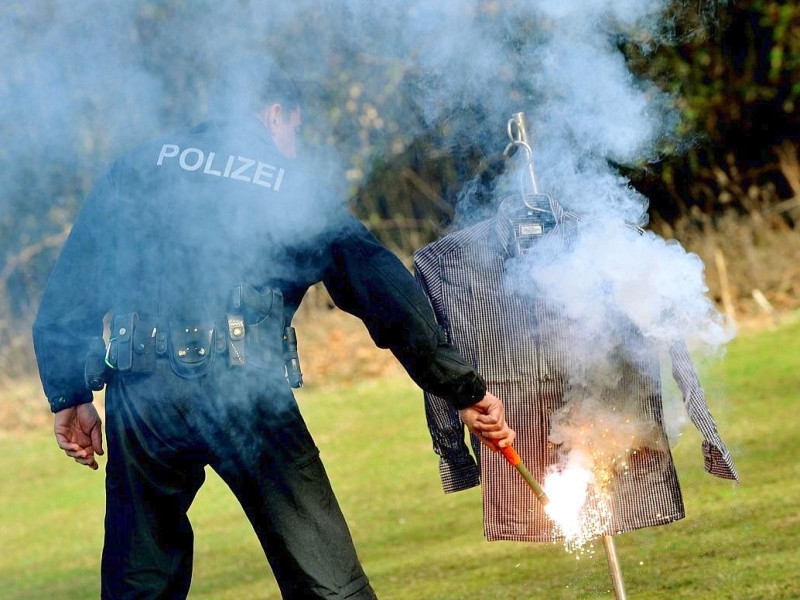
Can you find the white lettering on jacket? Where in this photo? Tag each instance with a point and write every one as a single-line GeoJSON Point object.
{"type": "Point", "coordinates": [235, 167]}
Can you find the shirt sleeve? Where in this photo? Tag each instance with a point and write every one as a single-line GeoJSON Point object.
{"type": "Point", "coordinates": [72, 308]}
{"type": "Point", "coordinates": [717, 458]}
{"type": "Point", "coordinates": [366, 280]}
{"type": "Point", "coordinates": [458, 469]}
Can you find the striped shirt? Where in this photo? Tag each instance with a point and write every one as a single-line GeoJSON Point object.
{"type": "Point", "coordinates": [522, 348]}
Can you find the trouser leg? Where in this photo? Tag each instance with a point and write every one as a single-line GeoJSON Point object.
{"type": "Point", "coordinates": [148, 539]}
{"type": "Point", "coordinates": [287, 496]}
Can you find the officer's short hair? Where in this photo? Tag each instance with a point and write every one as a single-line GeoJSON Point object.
{"type": "Point", "coordinates": [248, 85]}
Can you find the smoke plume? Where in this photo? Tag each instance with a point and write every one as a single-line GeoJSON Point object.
{"type": "Point", "coordinates": [81, 84]}
{"type": "Point", "coordinates": [626, 296]}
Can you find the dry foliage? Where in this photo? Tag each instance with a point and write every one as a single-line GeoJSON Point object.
{"type": "Point", "coordinates": [752, 259]}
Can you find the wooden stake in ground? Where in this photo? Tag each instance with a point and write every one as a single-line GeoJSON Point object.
{"type": "Point", "coordinates": [613, 567]}
{"type": "Point", "coordinates": [724, 286]}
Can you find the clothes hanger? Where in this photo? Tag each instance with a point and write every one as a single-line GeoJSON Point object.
{"type": "Point", "coordinates": [532, 214]}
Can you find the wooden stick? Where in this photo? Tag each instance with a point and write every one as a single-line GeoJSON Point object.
{"type": "Point", "coordinates": [725, 290]}
{"type": "Point", "coordinates": [614, 568]}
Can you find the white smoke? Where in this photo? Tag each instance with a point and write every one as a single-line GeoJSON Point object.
{"type": "Point", "coordinates": [615, 274]}
{"type": "Point", "coordinates": [589, 114]}
{"type": "Point", "coordinates": [79, 77]}
{"type": "Point", "coordinates": [80, 85]}
{"type": "Point", "coordinates": [70, 79]}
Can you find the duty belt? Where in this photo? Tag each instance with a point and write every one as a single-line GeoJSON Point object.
{"type": "Point", "coordinates": [136, 342]}
{"type": "Point", "coordinates": [191, 346]}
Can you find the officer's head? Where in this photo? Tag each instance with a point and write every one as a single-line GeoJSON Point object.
{"type": "Point", "coordinates": [257, 86]}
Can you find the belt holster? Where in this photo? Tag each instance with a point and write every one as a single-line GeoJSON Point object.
{"type": "Point", "coordinates": [254, 323]}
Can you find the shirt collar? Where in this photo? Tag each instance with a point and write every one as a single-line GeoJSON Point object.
{"type": "Point", "coordinates": [504, 221]}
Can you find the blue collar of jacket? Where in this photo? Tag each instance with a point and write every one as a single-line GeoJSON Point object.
{"type": "Point", "coordinates": [238, 123]}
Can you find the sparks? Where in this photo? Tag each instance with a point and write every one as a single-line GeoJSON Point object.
{"type": "Point", "coordinates": [596, 444]}
{"type": "Point", "coordinates": [578, 508]}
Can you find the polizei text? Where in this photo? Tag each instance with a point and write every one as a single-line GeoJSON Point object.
{"type": "Point", "coordinates": [239, 168]}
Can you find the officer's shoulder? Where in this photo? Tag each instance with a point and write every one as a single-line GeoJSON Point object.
{"type": "Point", "coordinates": [142, 152]}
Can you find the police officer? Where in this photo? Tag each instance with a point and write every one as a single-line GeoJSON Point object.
{"type": "Point", "coordinates": [198, 248]}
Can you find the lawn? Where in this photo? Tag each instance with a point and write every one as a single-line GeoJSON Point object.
{"type": "Point", "coordinates": [738, 541]}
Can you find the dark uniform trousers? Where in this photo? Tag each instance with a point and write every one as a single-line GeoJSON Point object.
{"type": "Point", "coordinates": [162, 431]}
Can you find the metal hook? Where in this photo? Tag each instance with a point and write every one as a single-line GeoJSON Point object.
{"type": "Point", "coordinates": [519, 138]}
{"type": "Point", "coordinates": [517, 132]}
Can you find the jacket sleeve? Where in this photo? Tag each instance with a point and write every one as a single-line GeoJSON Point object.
{"type": "Point", "coordinates": [72, 308]}
{"type": "Point", "coordinates": [458, 469]}
{"type": "Point", "coordinates": [366, 280]}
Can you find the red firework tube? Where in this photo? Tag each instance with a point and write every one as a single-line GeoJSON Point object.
{"type": "Point", "coordinates": [515, 461]}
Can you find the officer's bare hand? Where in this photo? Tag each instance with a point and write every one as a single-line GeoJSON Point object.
{"type": "Point", "coordinates": [79, 434]}
{"type": "Point", "coordinates": [487, 420]}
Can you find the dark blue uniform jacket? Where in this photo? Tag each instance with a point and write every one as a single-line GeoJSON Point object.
{"type": "Point", "coordinates": [173, 225]}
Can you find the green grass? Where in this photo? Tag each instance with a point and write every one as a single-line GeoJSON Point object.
{"type": "Point", "coordinates": [416, 543]}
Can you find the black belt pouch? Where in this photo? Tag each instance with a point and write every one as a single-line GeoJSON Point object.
{"type": "Point", "coordinates": [144, 346]}
{"type": "Point", "coordinates": [191, 347]}
{"type": "Point", "coordinates": [120, 352]}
